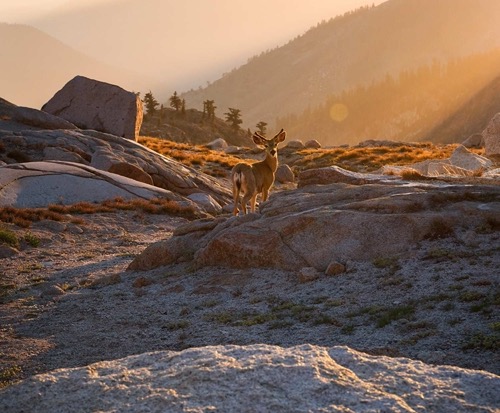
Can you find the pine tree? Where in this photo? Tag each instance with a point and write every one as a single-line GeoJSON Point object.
{"type": "Point", "coordinates": [175, 101]}
{"type": "Point", "coordinates": [150, 103]}
{"type": "Point", "coordinates": [234, 118]}
{"type": "Point", "coordinates": [262, 128]}
{"type": "Point", "coordinates": [209, 109]}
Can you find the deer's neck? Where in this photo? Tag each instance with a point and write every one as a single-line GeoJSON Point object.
{"type": "Point", "coordinates": [271, 161]}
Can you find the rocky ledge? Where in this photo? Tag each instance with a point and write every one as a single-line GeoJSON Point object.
{"type": "Point", "coordinates": [318, 226]}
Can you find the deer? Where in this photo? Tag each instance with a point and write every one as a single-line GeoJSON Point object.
{"type": "Point", "coordinates": [253, 179]}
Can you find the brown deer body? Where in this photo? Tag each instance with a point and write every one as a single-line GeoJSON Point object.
{"type": "Point", "coordinates": [257, 178]}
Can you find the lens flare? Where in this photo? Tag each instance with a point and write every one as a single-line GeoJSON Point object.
{"type": "Point", "coordinates": [339, 112]}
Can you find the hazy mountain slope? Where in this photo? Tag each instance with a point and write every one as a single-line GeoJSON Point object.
{"type": "Point", "coordinates": [353, 49]}
{"type": "Point", "coordinates": [183, 44]}
{"type": "Point", "coordinates": [35, 66]}
{"type": "Point", "coordinates": [405, 107]}
{"type": "Point", "coordinates": [471, 118]}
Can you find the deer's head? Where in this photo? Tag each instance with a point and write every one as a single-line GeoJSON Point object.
{"type": "Point", "coordinates": [270, 145]}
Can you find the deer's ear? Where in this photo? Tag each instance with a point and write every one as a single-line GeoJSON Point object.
{"type": "Point", "coordinates": [280, 137]}
{"type": "Point", "coordinates": [259, 139]}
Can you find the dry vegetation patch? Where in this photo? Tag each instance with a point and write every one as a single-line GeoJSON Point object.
{"type": "Point", "coordinates": [215, 163]}
{"type": "Point", "coordinates": [369, 159]}
{"type": "Point", "coordinates": [24, 217]}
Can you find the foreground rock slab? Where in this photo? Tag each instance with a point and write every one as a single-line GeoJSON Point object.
{"type": "Point", "coordinates": [38, 184]}
{"type": "Point", "coordinates": [257, 378]}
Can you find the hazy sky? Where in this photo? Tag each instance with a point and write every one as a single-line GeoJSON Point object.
{"type": "Point", "coordinates": [177, 44]}
{"type": "Point", "coordinates": [22, 11]}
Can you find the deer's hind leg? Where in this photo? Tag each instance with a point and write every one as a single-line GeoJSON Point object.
{"type": "Point", "coordinates": [253, 201]}
{"type": "Point", "coordinates": [236, 196]}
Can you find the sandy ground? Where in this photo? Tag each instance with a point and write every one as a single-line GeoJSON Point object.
{"type": "Point", "coordinates": [70, 301]}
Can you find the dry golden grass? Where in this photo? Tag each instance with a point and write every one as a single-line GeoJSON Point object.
{"type": "Point", "coordinates": [357, 159]}
{"type": "Point", "coordinates": [211, 162]}
{"type": "Point", "coordinates": [368, 159]}
{"type": "Point", "coordinates": [152, 206]}
{"type": "Point", "coordinates": [24, 217]}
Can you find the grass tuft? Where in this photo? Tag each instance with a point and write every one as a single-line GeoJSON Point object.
{"type": "Point", "coordinates": [9, 238]}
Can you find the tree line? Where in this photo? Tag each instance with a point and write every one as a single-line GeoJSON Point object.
{"type": "Point", "coordinates": [233, 116]}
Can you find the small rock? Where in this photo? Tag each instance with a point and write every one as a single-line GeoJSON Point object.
{"type": "Point", "coordinates": [131, 171]}
{"type": "Point", "coordinates": [470, 239]}
{"type": "Point", "coordinates": [142, 282]}
{"type": "Point", "coordinates": [204, 200]}
{"type": "Point", "coordinates": [295, 144]}
{"type": "Point", "coordinates": [108, 280]}
{"type": "Point", "coordinates": [54, 226]}
{"type": "Point", "coordinates": [308, 274]}
{"type": "Point", "coordinates": [313, 144]}
{"type": "Point", "coordinates": [335, 268]}
{"type": "Point", "coordinates": [6, 251]}
{"type": "Point", "coordinates": [52, 291]}
{"type": "Point", "coordinates": [217, 144]}
{"type": "Point", "coordinates": [74, 229]}
{"type": "Point", "coordinates": [284, 174]}
{"type": "Point", "coordinates": [231, 150]}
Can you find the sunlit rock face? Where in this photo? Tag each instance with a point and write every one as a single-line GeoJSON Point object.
{"type": "Point", "coordinates": [256, 378]}
{"type": "Point", "coordinates": [91, 104]}
{"type": "Point", "coordinates": [320, 223]}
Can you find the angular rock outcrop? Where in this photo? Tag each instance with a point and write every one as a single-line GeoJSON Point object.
{"type": "Point", "coordinates": [491, 136]}
{"type": "Point", "coordinates": [463, 158]}
{"type": "Point", "coordinates": [319, 224]}
{"type": "Point", "coordinates": [12, 116]}
{"type": "Point", "coordinates": [91, 104]}
{"type": "Point", "coordinates": [474, 141]}
{"type": "Point", "coordinates": [257, 378]}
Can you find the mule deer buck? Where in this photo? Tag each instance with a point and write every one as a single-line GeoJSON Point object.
{"type": "Point", "coordinates": [258, 177]}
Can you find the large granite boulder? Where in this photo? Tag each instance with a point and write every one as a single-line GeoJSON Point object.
{"type": "Point", "coordinates": [491, 136]}
{"type": "Point", "coordinates": [256, 378]}
{"type": "Point", "coordinates": [91, 104]}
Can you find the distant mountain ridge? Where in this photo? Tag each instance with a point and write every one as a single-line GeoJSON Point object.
{"type": "Point", "coordinates": [357, 48]}
{"type": "Point", "coordinates": [33, 60]}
